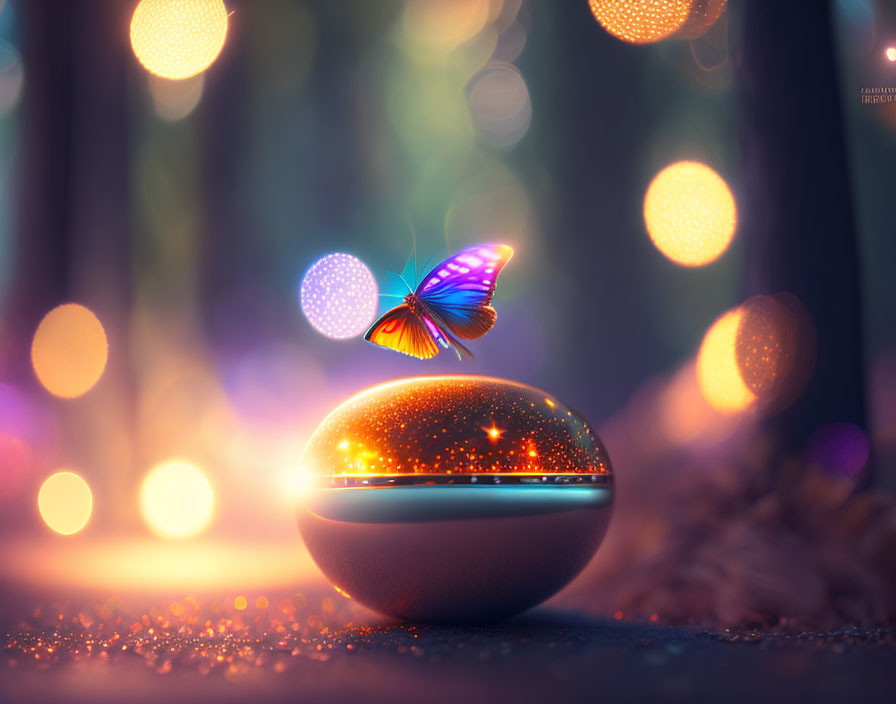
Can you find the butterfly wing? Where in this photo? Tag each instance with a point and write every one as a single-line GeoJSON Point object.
{"type": "Point", "coordinates": [403, 331]}
{"type": "Point", "coordinates": [457, 292]}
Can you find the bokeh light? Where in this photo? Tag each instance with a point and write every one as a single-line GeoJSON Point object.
{"type": "Point", "coordinates": [685, 417]}
{"type": "Point", "coordinates": [15, 463]}
{"type": "Point", "coordinates": [12, 77]}
{"type": "Point", "coordinates": [65, 502]}
{"type": "Point", "coordinates": [174, 100]}
{"type": "Point", "coordinates": [445, 24]}
{"type": "Point", "coordinates": [759, 355]}
{"type": "Point", "coordinates": [647, 21]}
{"type": "Point", "coordinates": [339, 296]}
{"type": "Point", "coordinates": [717, 370]}
{"type": "Point", "coordinates": [839, 449]}
{"type": "Point", "coordinates": [69, 350]}
{"type": "Point", "coordinates": [176, 500]}
{"type": "Point", "coordinates": [690, 213]}
{"type": "Point", "coordinates": [641, 21]}
{"type": "Point", "coordinates": [177, 39]}
{"type": "Point", "coordinates": [499, 104]}
{"type": "Point", "coordinates": [891, 53]}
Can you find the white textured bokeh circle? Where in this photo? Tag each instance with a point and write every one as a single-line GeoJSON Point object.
{"type": "Point", "coordinates": [339, 296]}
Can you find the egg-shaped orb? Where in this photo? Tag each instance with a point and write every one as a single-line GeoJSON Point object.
{"type": "Point", "coordinates": [453, 498]}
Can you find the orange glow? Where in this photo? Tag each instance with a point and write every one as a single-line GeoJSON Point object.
{"type": "Point", "coordinates": [176, 500]}
{"type": "Point", "coordinates": [494, 432]}
{"type": "Point", "coordinates": [445, 24]}
{"type": "Point", "coordinates": [69, 350]}
{"type": "Point", "coordinates": [423, 426]}
{"type": "Point", "coordinates": [690, 213]}
{"type": "Point", "coordinates": [261, 602]}
{"type": "Point", "coordinates": [65, 502]}
{"type": "Point", "coordinates": [641, 21]}
{"type": "Point", "coordinates": [647, 21]}
{"type": "Point", "coordinates": [178, 39]}
{"type": "Point", "coordinates": [240, 603]}
{"type": "Point", "coordinates": [891, 53]}
{"type": "Point", "coordinates": [718, 372]}
{"type": "Point", "coordinates": [140, 566]}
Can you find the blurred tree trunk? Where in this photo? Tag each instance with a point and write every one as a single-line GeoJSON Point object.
{"type": "Point", "coordinates": [796, 206]}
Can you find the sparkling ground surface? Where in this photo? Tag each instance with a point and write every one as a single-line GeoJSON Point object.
{"type": "Point", "coordinates": [320, 646]}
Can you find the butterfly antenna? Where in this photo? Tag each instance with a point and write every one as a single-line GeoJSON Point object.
{"type": "Point", "coordinates": [410, 290]}
{"type": "Point", "coordinates": [413, 248]}
{"type": "Point", "coordinates": [426, 266]}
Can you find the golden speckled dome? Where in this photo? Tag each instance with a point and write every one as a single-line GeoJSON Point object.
{"type": "Point", "coordinates": [455, 427]}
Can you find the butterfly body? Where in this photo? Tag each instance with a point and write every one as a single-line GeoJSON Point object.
{"type": "Point", "coordinates": [451, 302]}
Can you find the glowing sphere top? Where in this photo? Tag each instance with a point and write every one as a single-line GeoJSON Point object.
{"type": "Point", "coordinates": [454, 429]}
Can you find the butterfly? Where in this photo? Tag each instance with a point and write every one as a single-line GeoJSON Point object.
{"type": "Point", "coordinates": [451, 301]}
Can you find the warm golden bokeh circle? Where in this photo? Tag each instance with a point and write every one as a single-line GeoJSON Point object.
{"type": "Point", "coordinates": [758, 356]}
{"type": "Point", "coordinates": [178, 39]}
{"type": "Point", "coordinates": [65, 502]}
{"type": "Point", "coordinates": [717, 369]}
{"type": "Point", "coordinates": [641, 21]}
{"type": "Point", "coordinates": [69, 350]}
{"type": "Point", "coordinates": [690, 213]}
{"type": "Point", "coordinates": [176, 500]}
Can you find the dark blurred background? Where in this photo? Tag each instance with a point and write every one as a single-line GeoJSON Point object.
{"type": "Point", "coordinates": [184, 216]}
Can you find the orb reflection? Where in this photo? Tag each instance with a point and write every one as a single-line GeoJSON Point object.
{"type": "Point", "coordinates": [690, 213]}
{"type": "Point", "coordinates": [65, 502]}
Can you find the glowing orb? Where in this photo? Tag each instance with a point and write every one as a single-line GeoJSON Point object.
{"type": "Point", "coordinates": [690, 213]}
{"type": "Point", "coordinates": [69, 350]}
{"type": "Point", "coordinates": [176, 500]}
{"type": "Point", "coordinates": [421, 506]}
{"type": "Point", "coordinates": [891, 53]}
{"type": "Point", "coordinates": [65, 502]}
{"type": "Point", "coordinates": [759, 355]}
{"type": "Point", "coordinates": [339, 296]}
{"type": "Point", "coordinates": [641, 21]}
{"type": "Point", "coordinates": [178, 38]}
{"type": "Point", "coordinates": [718, 372]}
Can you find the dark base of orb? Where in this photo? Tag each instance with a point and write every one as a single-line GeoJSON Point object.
{"type": "Point", "coordinates": [460, 570]}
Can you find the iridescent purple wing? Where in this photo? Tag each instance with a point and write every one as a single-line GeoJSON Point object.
{"type": "Point", "coordinates": [457, 292]}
